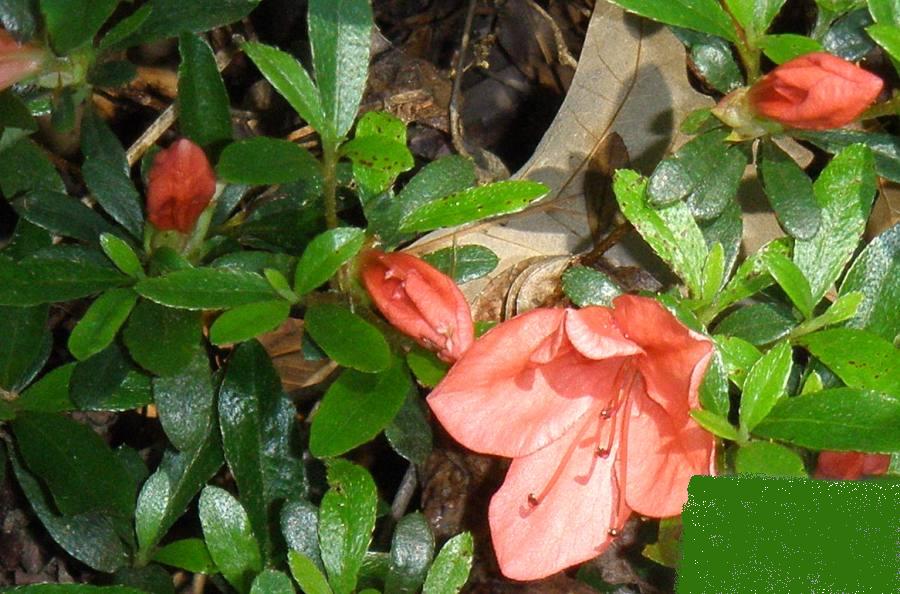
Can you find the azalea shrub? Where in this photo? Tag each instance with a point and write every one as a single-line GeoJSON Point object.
{"type": "Point", "coordinates": [178, 263]}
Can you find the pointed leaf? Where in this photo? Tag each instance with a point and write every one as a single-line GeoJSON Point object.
{"type": "Point", "coordinates": [229, 537]}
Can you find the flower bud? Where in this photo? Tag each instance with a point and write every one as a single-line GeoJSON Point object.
{"type": "Point", "coordinates": [420, 301]}
{"type": "Point", "coordinates": [817, 91]}
{"type": "Point", "coordinates": [17, 61]}
{"type": "Point", "coordinates": [850, 465]}
{"type": "Point", "coordinates": [180, 185]}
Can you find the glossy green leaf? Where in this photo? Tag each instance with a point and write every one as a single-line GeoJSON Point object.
{"type": "Point", "coordinates": [184, 403]}
{"type": "Point", "coordinates": [340, 34]}
{"type": "Point", "coordinates": [783, 47]}
{"type": "Point", "coordinates": [861, 359]}
{"type": "Point", "coordinates": [450, 569]}
{"type": "Point", "coordinates": [715, 424]}
{"type": "Point", "coordinates": [169, 18]}
{"type": "Point", "coordinates": [670, 231]}
{"type": "Point", "coordinates": [356, 408]}
{"type": "Point", "coordinates": [101, 322]}
{"type": "Point", "coordinates": [50, 393]}
{"type": "Point", "coordinates": [162, 339]}
{"type": "Point", "coordinates": [325, 255]}
{"type": "Point", "coordinates": [409, 433]}
{"type": "Point", "coordinates": [842, 419]}
{"type": "Point", "coordinates": [73, 23]}
{"type": "Point", "coordinates": [751, 277]}
{"type": "Point", "coordinates": [18, 17]}
{"type": "Point", "coordinates": [754, 16]}
{"type": "Point", "coordinates": [885, 147]}
{"type": "Point", "coordinates": [24, 334]}
{"type": "Point", "coordinates": [586, 286]}
{"type": "Point", "coordinates": [713, 272]}
{"type": "Point", "coordinates": [727, 230]}
{"type": "Point", "coordinates": [189, 554]}
{"type": "Point", "coordinates": [63, 215]}
{"type": "Point", "coordinates": [300, 527]}
{"type": "Point", "coordinates": [714, 388]}
{"type": "Point", "coordinates": [701, 15]}
{"type": "Point", "coordinates": [346, 521]}
{"type": "Point", "coordinates": [14, 113]}
{"type": "Point", "coordinates": [291, 80]}
{"type": "Point", "coordinates": [262, 161]}
{"type": "Point", "coordinates": [711, 59]}
{"type": "Point", "coordinates": [26, 168]}
{"type": "Point", "coordinates": [257, 423]}
{"type": "Point", "coordinates": [792, 281]}
{"type": "Point", "coordinates": [790, 191]}
{"type": "Point", "coordinates": [412, 548]}
{"type": "Point", "coordinates": [758, 324]}
{"type": "Point", "coordinates": [206, 288]}
{"type": "Point", "coordinates": [876, 273]}
{"type": "Point", "coordinates": [307, 575]}
{"type": "Point", "coordinates": [122, 255]}
{"type": "Point", "coordinates": [248, 321]}
{"type": "Point", "coordinates": [272, 582]}
{"type": "Point", "coordinates": [847, 37]}
{"type": "Point", "coordinates": [771, 459]}
{"type": "Point", "coordinates": [425, 365]}
{"type": "Point", "coordinates": [109, 381]}
{"type": "Point", "coordinates": [229, 537]}
{"type": "Point", "coordinates": [498, 198]}
{"type": "Point", "coordinates": [347, 338]}
{"type": "Point", "coordinates": [738, 356]}
{"type": "Point", "coordinates": [888, 37]}
{"type": "Point", "coordinates": [258, 262]}
{"type": "Point", "coordinates": [765, 384]}
{"type": "Point", "coordinates": [884, 11]}
{"type": "Point", "coordinates": [463, 263]}
{"type": "Point", "coordinates": [204, 114]}
{"type": "Point", "coordinates": [377, 161]}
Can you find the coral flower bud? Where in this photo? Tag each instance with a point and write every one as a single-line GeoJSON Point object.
{"type": "Point", "coordinates": [817, 91]}
{"type": "Point", "coordinates": [850, 465]}
{"type": "Point", "coordinates": [181, 184]}
{"type": "Point", "coordinates": [17, 61]}
{"type": "Point", "coordinates": [420, 301]}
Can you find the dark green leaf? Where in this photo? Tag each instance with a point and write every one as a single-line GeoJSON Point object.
{"type": "Point", "coordinates": [844, 190]}
{"type": "Point", "coordinates": [425, 365]}
{"type": "Point", "coordinates": [412, 548]}
{"type": "Point", "coordinates": [463, 263]}
{"type": "Point", "coordinates": [738, 356]}
{"type": "Point", "coordinates": [117, 37]}
{"type": "Point", "coordinates": [101, 322]}
{"type": "Point", "coordinates": [876, 273]}
{"type": "Point", "coordinates": [257, 422]}
{"type": "Point", "coordinates": [63, 215]}
{"type": "Point", "coordinates": [450, 569]}
{"type": "Point", "coordinates": [670, 182]}
{"type": "Point", "coordinates": [272, 582]}
{"type": "Point", "coordinates": [377, 161]}
{"type": "Point", "coordinates": [50, 393]}
{"type": "Point", "coordinates": [324, 256]}
{"type": "Point", "coordinates": [847, 38]}
{"type": "Point", "coordinates": [227, 200]}
{"type": "Point", "coordinates": [754, 16]}
{"type": "Point", "coordinates": [586, 286]}
{"type": "Point", "coordinates": [108, 381]}
{"type": "Point", "coordinates": [149, 578]}
{"type": "Point", "coordinates": [248, 321]}
{"type": "Point", "coordinates": [410, 433]}
{"type": "Point", "coordinates": [842, 419]}
{"type": "Point", "coordinates": [23, 331]}
{"type": "Point", "coordinates": [790, 191]}
{"type": "Point", "coordinates": [711, 59]}
{"type": "Point", "coordinates": [346, 521]}
{"type": "Point", "coordinates": [498, 198]}
{"type": "Point", "coordinates": [26, 240]}
{"type": "Point", "coordinates": [74, 589]}
{"type": "Point", "coordinates": [13, 111]}
{"type": "Point", "coordinates": [168, 18]}
{"type": "Point", "coordinates": [258, 262]}
{"type": "Point", "coordinates": [760, 323]}
{"type": "Point", "coordinates": [203, 108]}
{"type": "Point", "coordinates": [761, 457]}
{"type": "Point", "coordinates": [112, 73]}
{"type": "Point", "coordinates": [701, 15]}
{"type": "Point", "coordinates": [888, 37]}
{"type": "Point", "coordinates": [189, 554]}
{"type": "Point", "coordinates": [787, 46]}
{"type": "Point", "coordinates": [18, 17]}
{"type": "Point", "coordinates": [263, 161]}
{"type": "Point", "coordinates": [340, 34]}
{"type": "Point", "coordinates": [206, 288]}
{"type": "Point", "coordinates": [752, 275]}
{"type": "Point", "coordinates": [72, 23]}
{"type": "Point", "coordinates": [356, 408]}
{"type": "Point", "coordinates": [121, 254]}
{"type": "Point", "coordinates": [861, 359]}
{"type": "Point", "coordinates": [791, 280]}
{"type": "Point", "coordinates": [307, 575]}
{"type": "Point", "coordinates": [727, 230]}
{"type": "Point", "coordinates": [184, 403]}
{"type": "Point", "coordinates": [885, 147]}
{"type": "Point", "coordinates": [347, 338]}
{"type": "Point", "coordinates": [162, 339]}
{"type": "Point", "coordinates": [25, 168]}
{"type": "Point", "coordinates": [229, 537]}
{"type": "Point", "coordinates": [765, 384]}
{"type": "Point", "coordinates": [300, 528]}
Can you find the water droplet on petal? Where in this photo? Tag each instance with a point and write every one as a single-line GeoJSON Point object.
{"type": "Point", "coordinates": [613, 532]}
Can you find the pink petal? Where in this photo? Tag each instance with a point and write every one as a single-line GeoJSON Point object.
{"type": "Point", "coordinates": [674, 359]}
{"type": "Point", "coordinates": [663, 453]}
{"type": "Point", "coordinates": [571, 521]}
{"type": "Point", "coordinates": [594, 333]}
{"type": "Point", "coordinates": [501, 399]}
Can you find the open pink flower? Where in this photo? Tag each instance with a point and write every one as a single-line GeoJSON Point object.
{"type": "Point", "coordinates": [420, 301]}
{"type": "Point", "coordinates": [817, 91]}
{"type": "Point", "coordinates": [593, 407]}
{"type": "Point", "coordinates": [17, 61]}
{"type": "Point", "coordinates": [180, 184]}
{"type": "Point", "coordinates": [850, 465]}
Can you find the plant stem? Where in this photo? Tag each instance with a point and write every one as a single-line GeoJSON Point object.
{"type": "Point", "coordinates": [329, 190]}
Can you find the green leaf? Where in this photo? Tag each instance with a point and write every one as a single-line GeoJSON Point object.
{"type": "Point", "coordinates": [790, 191]}
{"type": "Point", "coordinates": [206, 288]}
{"type": "Point", "coordinates": [257, 422]}
{"type": "Point", "coordinates": [121, 254]}
{"type": "Point", "coordinates": [204, 114]}
{"type": "Point", "coordinates": [876, 273]}
{"type": "Point", "coordinates": [844, 190]}
{"type": "Point", "coordinates": [847, 37]}
{"type": "Point", "coordinates": [14, 113]}
{"type": "Point", "coordinates": [715, 424]}
{"type": "Point", "coordinates": [258, 262]}
{"type": "Point", "coordinates": [425, 365]}
{"type": "Point", "coordinates": [356, 408]}
{"type": "Point", "coordinates": [272, 582]}
{"type": "Point", "coordinates": [450, 569]}
{"type": "Point", "coordinates": [888, 37]}
{"type": "Point", "coordinates": [109, 381]}
{"type": "Point", "coordinates": [727, 230]}
{"type": "Point", "coordinates": [787, 46]}
{"type": "Point", "coordinates": [714, 389]}
{"type": "Point", "coordinates": [184, 403]}
{"type": "Point", "coordinates": [713, 273]}
{"type": "Point", "coordinates": [885, 11]}
{"type": "Point", "coordinates": [754, 16]}
{"type": "Point", "coordinates": [701, 15]}
{"type": "Point", "coordinates": [58, 273]}
{"type": "Point", "coordinates": [101, 322]}
{"type": "Point", "coordinates": [885, 147]}
{"type": "Point", "coordinates": [229, 537]}
{"type": "Point", "coordinates": [63, 215]}
{"type": "Point", "coordinates": [24, 334]}
{"type": "Point", "coordinates": [377, 161]}
{"type": "Point", "coordinates": [841, 419]}
{"type": "Point", "coordinates": [292, 82]}
{"type": "Point", "coordinates": [861, 359]}
{"type": "Point", "coordinates": [738, 356]}
{"type": "Point", "coordinates": [498, 198]}
{"type": "Point", "coordinates": [412, 548]}
{"type": "Point", "coordinates": [248, 321]}
{"type": "Point", "coordinates": [18, 17]}
{"type": "Point", "coordinates": [761, 457]}
{"type": "Point", "coordinates": [758, 324]}
{"type": "Point", "coordinates": [340, 33]}
{"type": "Point", "coordinates": [347, 338]}
{"type": "Point", "coordinates": [463, 263]}
{"type": "Point", "coordinates": [711, 59]}
{"type": "Point", "coordinates": [26, 168]}
{"type": "Point", "coordinates": [792, 281]}
{"type": "Point", "coordinates": [325, 255]}
{"type": "Point", "coordinates": [670, 231]}
{"type": "Point", "coordinates": [73, 23]}
{"type": "Point", "coordinates": [50, 393]}
{"type": "Point", "coordinates": [300, 527]}
{"type": "Point", "coordinates": [162, 339]}
{"type": "Point", "coordinates": [263, 161]}
{"type": "Point", "coordinates": [765, 384]}
{"type": "Point", "coordinates": [586, 286]}
{"type": "Point", "coordinates": [346, 521]}
{"type": "Point", "coordinates": [409, 433]}
{"type": "Point", "coordinates": [81, 472]}
{"type": "Point", "coordinates": [752, 276]}
{"type": "Point", "coordinates": [169, 18]}
{"type": "Point", "coordinates": [74, 589]}
{"type": "Point", "coordinates": [307, 575]}
{"type": "Point", "coordinates": [189, 554]}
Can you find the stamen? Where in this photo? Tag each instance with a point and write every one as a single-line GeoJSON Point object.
{"type": "Point", "coordinates": [602, 452]}
{"type": "Point", "coordinates": [605, 413]}
{"type": "Point", "coordinates": [532, 500]}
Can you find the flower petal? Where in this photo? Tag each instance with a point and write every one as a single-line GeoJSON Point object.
{"type": "Point", "coordinates": [578, 501]}
{"type": "Point", "coordinates": [500, 399]}
{"type": "Point", "coordinates": [593, 332]}
{"type": "Point", "coordinates": [674, 359]}
{"type": "Point", "coordinates": [850, 465]}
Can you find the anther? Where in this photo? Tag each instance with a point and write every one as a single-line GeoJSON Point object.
{"type": "Point", "coordinates": [602, 452]}
{"type": "Point", "coordinates": [605, 413]}
{"type": "Point", "coordinates": [532, 500]}
{"type": "Point", "coordinates": [613, 532]}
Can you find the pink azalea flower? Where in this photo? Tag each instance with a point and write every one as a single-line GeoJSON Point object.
{"type": "Point", "coordinates": [420, 301]}
{"type": "Point", "coordinates": [850, 465]}
{"type": "Point", "coordinates": [180, 184]}
{"type": "Point", "coordinates": [17, 61]}
{"type": "Point", "coordinates": [593, 407]}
